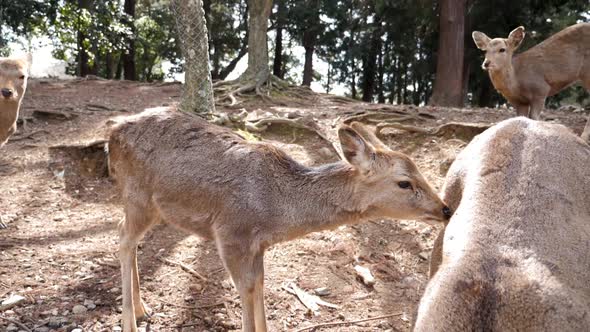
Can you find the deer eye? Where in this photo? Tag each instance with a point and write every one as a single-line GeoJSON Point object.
{"type": "Point", "coordinates": [22, 77]}
{"type": "Point", "coordinates": [405, 185]}
{"type": "Point", "coordinates": [502, 50]}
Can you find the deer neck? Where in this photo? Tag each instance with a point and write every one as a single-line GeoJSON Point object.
{"type": "Point", "coordinates": [505, 81]}
{"type": "Point", "coordinates": [327, 197]}
{"type": "Point", "coordinates": [8, 116]}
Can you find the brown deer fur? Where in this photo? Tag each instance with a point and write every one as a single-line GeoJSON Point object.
{"type": "Point", "coordinates": [528, 78]}
{"type": "Point", "coordinates": [248, 196]}
{"type": "Point", "coordinates": [515, 256]}
{"type": "Point", "coordinates": [13, 83]}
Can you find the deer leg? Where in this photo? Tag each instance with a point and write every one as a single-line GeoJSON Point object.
{"type": "Point", "coordinates": [522, 110]}
{"type": "Point", "coordinates": [245, 270]}
{"type": "Point", "coordinates": [586, 133]}
{"type": "Point", "coordinates": [536, 107]}
{"type": "Point", "coordinates": [259, 315]}
{"type": "Point", "coordinates": [127, 251]}
{"type": "Point", "coordinates": [141, 310]}
{"type": "Point", "coordinates": [586, 83]}
{"type": "Point", "coordinates": [131, 230]}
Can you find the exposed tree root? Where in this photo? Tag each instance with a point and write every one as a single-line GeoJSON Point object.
{"type": "Point", "coordinates": [380, 117]}
{"type": "Point", "coordinates": [461, 130]}
{"type": "Point", "coordinates": [227, 92]}
{"type": "Point", "coordinates": [261, 125]}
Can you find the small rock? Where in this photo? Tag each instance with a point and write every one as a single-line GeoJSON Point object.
{"type": "Point", "coordinates": [11, 301]}
{"type": "Point", "coordinates": [322, 291]}
{"type": "Point", "coordinates": [55, 322]}
{"type": "Point", "coordinates": [226, 284]}
{"type": "Point", "coordinates": [229, 325]}
{"type": "Point", "coordinates": [426, 231]}
{"type": "Point", "coordinates": [196, 287]}
{"type": "Point", "coordinates": [89, 304]}
{"type": "Point", "coordinates": [11, 328]}
{"type": "Point", "coordinates": [424, 255]}
{"type": "Point", "coordinates": [41, 329]}
{"type": "Point", "coordinates": [325, 152]}
{"type": "Point", "coordinates": [79, 309]}
{"type": "Point", "coordinates": [365, 275]}
{"type": "Point", "coordinates": [117, 329]}
{"type": "Point", "coordinates": [77, 330]}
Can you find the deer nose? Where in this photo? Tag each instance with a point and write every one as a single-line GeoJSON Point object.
{"type": "Point", "coordinates": [486, 64]}
{"type": "Point", "coordinates": [6, 93]}
{"type": "Point", "coordinates": [447, 212]}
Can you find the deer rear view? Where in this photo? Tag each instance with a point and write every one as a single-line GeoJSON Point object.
{"type": "Point", "coordinates": [515, 256]}
{"type": "Point", "coordinates": [248, 196]}
{"type": "Point", "coordinates": [13, 83]}
{"type": "Point", "coordinates": [528, 78]}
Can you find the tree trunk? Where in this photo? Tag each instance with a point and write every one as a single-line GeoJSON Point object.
{"type": "Point", "coordinates": [309, 39]}
{"type": "Point", "coordinates": [370, 62]}
{"type": "Point", "coordinates": [119, 69]}
{"type": "Point", "coordinates": [329, 78]}
{"type": "Point", "coordinates": [129, 53]}
{"type": "Point", "coordinates": [448, 85]}
{"type": "Point", "coordinates": [484, 97]}
{"type": "Point", "coordinates": [190, 22]}
{"type": "Point", "coordinates": [353, 79]}
{"type": "Point", "coordinates": [278, 58]}
{"type": "Point", "coordinates": [380, 75]}
{"type": "Point", "coordinates": [83, 57]}
{"type": "Point", "coordinates": [258, 69]}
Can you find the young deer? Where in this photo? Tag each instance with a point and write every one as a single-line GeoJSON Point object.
{"type": "Point", "coordinates": [13, 83]}
{"type": "Point", "coordinates": [527, 79]}
{"type": "Point", "coordinates": [515, 256]}
{"type": "Point", "coordinates": [248, 196]}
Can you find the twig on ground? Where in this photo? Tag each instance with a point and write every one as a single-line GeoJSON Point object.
{"type": "Point", "coordinates": [184, 267]}
{"type": "Point", "coordinates": [15, 322]}
{"type": "Point", "coordinates": [312, 327]}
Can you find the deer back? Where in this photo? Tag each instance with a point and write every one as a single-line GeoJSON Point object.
{"type": "Point", "coordinates": [515, 254]}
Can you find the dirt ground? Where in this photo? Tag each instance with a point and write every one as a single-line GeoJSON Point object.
{"type": "Point", "coordinates": [60, 248]}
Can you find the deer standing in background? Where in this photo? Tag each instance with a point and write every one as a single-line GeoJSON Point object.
{"type": "Point", "coordinates": [515, 256]}
{"type": "Point", "coordinates": [528, 78]}
{"type": "Point", "coordinates": [13, 84]}
{"type": "Point", "coordinates": [248, 196]}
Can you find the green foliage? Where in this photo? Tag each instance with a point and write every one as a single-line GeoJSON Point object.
{"type": "Point", "coordinates": [156, 40]}
{"type": "Point", "coordinates": [382, 50]}
{"type": "Point", "coordinates": [23, 18]}
{"type": "Point", "coordinates": [98, 30]}
{"type": "Point", "coordinates": [227, 26]}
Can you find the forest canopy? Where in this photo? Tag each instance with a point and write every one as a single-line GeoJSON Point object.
{"type": "Point", "coordinates": [379, 50]}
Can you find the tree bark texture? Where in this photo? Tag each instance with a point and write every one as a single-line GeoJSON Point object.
{"type": "Point", "coordinates": [448, 84]}
{"type": "Point", "coordinates": [190, 22]}
{"type": "Point", "coordinates": [83, 57]}
{"type": "Point", "coordinates": [129, 53]}
{"type": "Point", "coordinates": [258, 69]}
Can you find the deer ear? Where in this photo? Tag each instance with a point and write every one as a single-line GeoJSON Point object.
{"type": "Point", "coordinates": [515, 37]}
{"type": "Point", "coordinates": [481, 40]}
{"type": "Point", "coordinates": [357, 151]}
{"type": "Point", "coordinates": [369, 136]}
